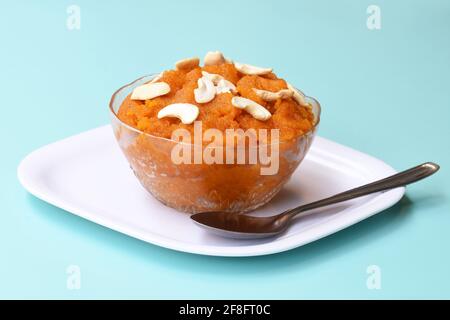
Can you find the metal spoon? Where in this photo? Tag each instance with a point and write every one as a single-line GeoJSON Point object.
{"type": "Point", "coordinates": [241, 226]}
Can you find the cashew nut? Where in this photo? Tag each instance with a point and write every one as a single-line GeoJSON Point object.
{"type": "Point", "coordinates": [187, 64]}
{"type": "Point", "coordinates": [214, 58]}
{"type": "Point", "coordinates": [186, 112]}
{"type": "Point", "coordinates": [157, 77]}
{"type": "Point", "coordinates": [256, 110]}
{"type": "Point", "coordinates": [215, 78]}
{"type": "Point", "coordinates": [251, 70]}
{"type": "Point", "coordinates": [298, 96]}
{"type": "Point", "coordinates": [224, 86]}
{"type": "Point", "coordinates": [150, 91]}
{"type": "Point", "coordinates": [272, 96]}
{"type": "Point", "coordinates": [205, 91]}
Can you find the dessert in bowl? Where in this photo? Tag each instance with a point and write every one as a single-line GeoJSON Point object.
{"type": "Point", "coordinates": [223, 137]}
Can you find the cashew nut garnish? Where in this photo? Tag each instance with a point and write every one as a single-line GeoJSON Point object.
{"type": "Point", "coordinates": [205, 91]}
{"type": "Point", "coordinates": [251, 70]}
{"type": "Point", "coordinates": [186, 112]}
{"type": "Point", "coordinates": [256, 110]}
{"type": "Point", "coordinates": [150, 91]}
{"type": "Point", "coordinates": [273, 96]}
{"type": "Point", "coordinates": [214, 58]}
{"type": "Point", "coordinates": [298, 96]}
{"type": "Point", "coordinates": [224, 86]}
{"type": "Point", "coordinates": [187, 64]}
{"type": "Point", "coordinates": [157, 78]}
{"type": "Point", "coordinates": [215, 78]}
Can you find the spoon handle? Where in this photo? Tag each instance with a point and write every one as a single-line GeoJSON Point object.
{"type": "Point", "coordinates": [397, 180]}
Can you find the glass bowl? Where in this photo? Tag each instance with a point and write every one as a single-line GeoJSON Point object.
{"type": "Point", "coordinates": [204, 187]}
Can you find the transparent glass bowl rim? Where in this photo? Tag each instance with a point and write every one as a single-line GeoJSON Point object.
{"type": "Point", "coordinates": [316, 110]}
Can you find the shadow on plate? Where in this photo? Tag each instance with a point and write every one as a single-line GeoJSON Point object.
{"type": "Point", "coordinates": [310, 255]}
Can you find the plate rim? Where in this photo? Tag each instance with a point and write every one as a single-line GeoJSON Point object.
{"type": "Point", "coordinates": [375, 205]}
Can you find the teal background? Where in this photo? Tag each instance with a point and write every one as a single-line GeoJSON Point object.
{"type": "Point", "coordinates": [384, 92]}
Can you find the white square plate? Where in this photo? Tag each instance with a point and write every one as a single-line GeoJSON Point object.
{"type": "Point", "coordinates": [87, 175]}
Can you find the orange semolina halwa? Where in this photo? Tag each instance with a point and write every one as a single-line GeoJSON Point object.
{"type": "Point", "coordinates": [290, 118]}
{"type": "Point", "coordinates": [212, 187]}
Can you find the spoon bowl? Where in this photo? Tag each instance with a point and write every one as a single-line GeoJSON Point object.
{"type": "Point", "coordinates": [239, 226]}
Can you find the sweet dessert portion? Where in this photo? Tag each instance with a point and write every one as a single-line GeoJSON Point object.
{"type": "Point", "coordinates": [269, 115]}
{"type": "Point", "coordinates": [227, 95]}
